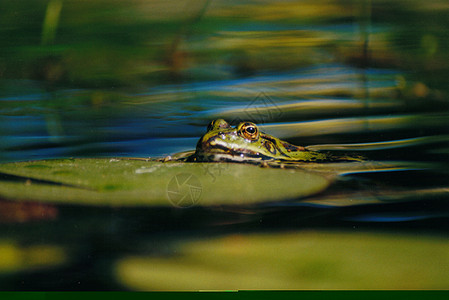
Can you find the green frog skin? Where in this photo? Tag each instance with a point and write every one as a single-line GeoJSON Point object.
{"type": "Point", "coordinates": [246, 143]}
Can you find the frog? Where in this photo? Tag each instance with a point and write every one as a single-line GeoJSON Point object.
{"type": "Point", "coordinates": [246, 143]}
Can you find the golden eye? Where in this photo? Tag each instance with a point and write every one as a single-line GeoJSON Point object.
{"type": "Point", "coordinates": [249, 131]}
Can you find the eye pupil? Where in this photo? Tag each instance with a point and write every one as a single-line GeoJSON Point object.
{"type": "Point", "coordinates": [251, 129]}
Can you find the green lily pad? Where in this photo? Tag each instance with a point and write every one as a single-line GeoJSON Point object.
{"type": "Point", "coordinates": [127, 182]}
{"type": "Point", "coordinates": [17, 258]}
{"type": "Point", "coordinates": [296, 260]}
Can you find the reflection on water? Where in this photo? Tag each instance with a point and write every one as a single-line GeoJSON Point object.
{"type": "Point", "coordinates": [144, 78]}
{"type": "Point", "coordinates": [304, 107]}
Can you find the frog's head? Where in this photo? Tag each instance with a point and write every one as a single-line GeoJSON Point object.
{"type": "Point", "coordinates": [245, 142]}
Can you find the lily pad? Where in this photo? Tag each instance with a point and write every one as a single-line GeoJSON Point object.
{"type": "Point", "coordinates": [17, 258]}
{"type": "Point", "coordinates": [296, 260]}
{"type": "Point", "coordinates": [127, 182]}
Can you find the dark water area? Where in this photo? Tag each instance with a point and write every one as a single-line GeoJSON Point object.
{"type": "Point", "coordinates": [145, 78]}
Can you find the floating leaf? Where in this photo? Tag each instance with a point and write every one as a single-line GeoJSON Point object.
{"type": "Point", "coordinates": [127, 182]}
{"type": "Point", "coordinates": [20, 258]}
{"type": "Point", "coordinates": [299, 260]}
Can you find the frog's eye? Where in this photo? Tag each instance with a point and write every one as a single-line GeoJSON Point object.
{"type": "Point", "coordinates": [216, 124]}
{"type": "Point", "coordinates": [249, 131]}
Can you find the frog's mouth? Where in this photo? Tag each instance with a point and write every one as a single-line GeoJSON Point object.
{"type": "Point", "coordinates": [227, 157]}
{"type": "Point", "coordinates": [212, 149]}
{"type": "Point", "coordinates": [218, 154]}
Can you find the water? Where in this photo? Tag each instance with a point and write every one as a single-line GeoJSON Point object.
{"type": "Point", "coordinates": [280, 103]}
{"type": "Point", "coordinates": [304, 78]}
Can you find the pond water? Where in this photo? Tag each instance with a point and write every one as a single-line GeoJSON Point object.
{"type": "Point", "coordinates": [144, 79]}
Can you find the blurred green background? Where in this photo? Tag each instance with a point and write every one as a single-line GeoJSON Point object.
{"type": "Point", "coordinates": [132, 44]}
{"type": "Point", "coordinates": [90, 78]}
{"type": "Point", "coordinates": [81, 76]}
